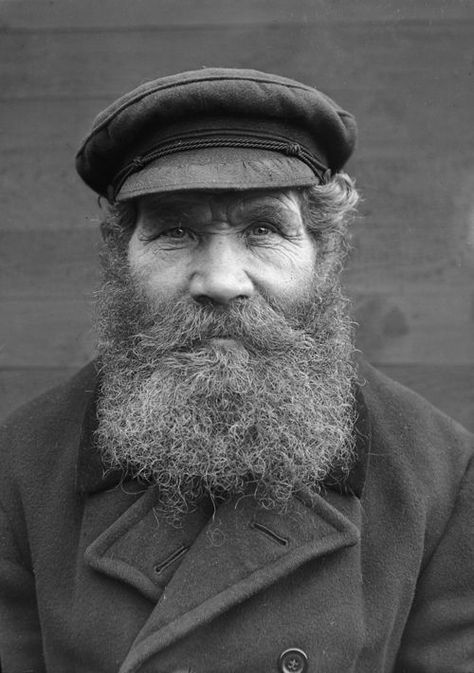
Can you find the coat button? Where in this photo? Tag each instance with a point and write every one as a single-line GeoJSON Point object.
{"type": "Point", "coordinates": [293, 660]}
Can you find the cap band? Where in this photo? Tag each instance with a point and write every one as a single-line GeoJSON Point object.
{"type": "Point", "coordinates": [218, 138]}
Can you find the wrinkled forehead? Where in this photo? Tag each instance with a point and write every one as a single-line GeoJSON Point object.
{"type": "Point", "coordinates": [281, 203]}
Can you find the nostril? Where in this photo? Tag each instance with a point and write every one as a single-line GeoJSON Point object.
{"type": "Point", "coordinates": [204, 300]}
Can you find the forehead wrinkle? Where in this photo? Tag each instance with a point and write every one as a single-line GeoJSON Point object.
{"type": "Point", "coordinates": [233, 208]}
{"type": "Point", "coordinates": [265, 211]}
{"type": "Point", "coordinates": [173, 211]}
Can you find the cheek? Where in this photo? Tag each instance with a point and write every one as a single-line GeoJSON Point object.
{"type": "Point", "coordinates": [157, 278]}
{"type": "Point", "coordinates": [291, 274]}
{"type": "Point", "coordinates": [292, 285]}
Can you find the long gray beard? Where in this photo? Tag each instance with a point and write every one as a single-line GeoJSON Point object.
{"type": "Point", "coordinates": [271, 413]}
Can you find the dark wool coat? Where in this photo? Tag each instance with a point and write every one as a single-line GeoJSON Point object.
{"type": "Point", "coordinates": [375, 576]}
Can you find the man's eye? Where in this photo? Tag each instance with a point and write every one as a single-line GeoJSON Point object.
{"type": "Point", "coordinates": [176, 233]}
{"type": "Point", "coordinates": [170, 234]}
{"type": "Point", "coordinates": [262, 230]}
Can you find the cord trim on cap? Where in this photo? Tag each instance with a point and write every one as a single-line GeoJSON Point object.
{"type": "Point", "coordinates": [176, 145]}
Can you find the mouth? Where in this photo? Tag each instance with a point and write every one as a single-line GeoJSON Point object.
{"type": "Point", "coordinates": [218, 343]}
{"type": "Point", "coordinates": [224, 344]}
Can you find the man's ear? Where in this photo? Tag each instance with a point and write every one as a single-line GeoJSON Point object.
{"type": "Point", "coordinates": [105, 230]}
{"type": "Point", "coordinates": [119, 221]}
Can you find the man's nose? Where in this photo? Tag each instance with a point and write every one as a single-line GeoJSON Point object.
{"type": "Point", "coordinates": [219, 274]}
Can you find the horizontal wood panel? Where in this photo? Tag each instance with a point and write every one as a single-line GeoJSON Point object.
{"type": "Point", "coordinates": [435, 58]}
{"type": "Point", "coordinates": [47, 125]}
{"type": "Point", "coordinates": [449, 388]}
{"type": "Point", "coordinates": [18, 386]}
{"type": "Point", "coordinates": [54, 333]}
{"type": "Point", "coordinates": [112, 14]}
{"type": "Point", "coordinates": [44, 192]}
{"type": "Point", "coordinates": [49, 264]}
{"type": "Point", "coordinates": [59, 66]}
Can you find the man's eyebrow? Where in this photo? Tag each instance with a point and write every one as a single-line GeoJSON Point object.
{"type": "Point", "coordinates": [273, 213]}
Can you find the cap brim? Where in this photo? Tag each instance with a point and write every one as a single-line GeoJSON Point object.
{"type": "Point", "coordinates": [218, 168]}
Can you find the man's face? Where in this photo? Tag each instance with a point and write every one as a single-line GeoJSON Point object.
{"type": "Point", "coordinates": [216, 249]}
{"type": "Point", "coordinates": [226, 350]}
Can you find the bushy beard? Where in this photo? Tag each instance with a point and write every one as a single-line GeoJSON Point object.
{"type": "Point", "coordinates": [269, 413]}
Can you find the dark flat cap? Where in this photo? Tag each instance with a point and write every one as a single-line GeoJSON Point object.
{"type": "Point", "coordinates": [215, 128]}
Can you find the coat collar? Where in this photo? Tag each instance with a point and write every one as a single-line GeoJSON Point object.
{"type": "Point", "coordinates": [91, 477]}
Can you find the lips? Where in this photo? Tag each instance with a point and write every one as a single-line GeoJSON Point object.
{"type": "Point", "coordinates": [225, 344]}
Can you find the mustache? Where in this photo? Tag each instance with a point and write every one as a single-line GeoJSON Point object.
{"type": "Point", "coordinates": [258, 324]}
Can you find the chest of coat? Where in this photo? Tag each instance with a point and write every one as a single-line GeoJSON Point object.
{"type": "Point", "coordinates": [224, 595]}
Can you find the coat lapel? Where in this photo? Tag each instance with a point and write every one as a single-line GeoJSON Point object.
{"type": "Point", "coordinates": [139, 548]}
{"type": "Point", "coordinates": [241, 551]}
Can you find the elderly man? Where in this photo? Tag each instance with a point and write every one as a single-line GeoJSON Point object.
{"type": "Point", "coordinates": [227, 488]}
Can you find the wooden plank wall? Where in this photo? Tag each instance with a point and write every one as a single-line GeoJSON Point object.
{"type": "Point", "coordinates": [404, 67]}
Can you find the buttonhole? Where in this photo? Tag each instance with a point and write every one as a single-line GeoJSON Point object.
{"type": "Point", "coordinates": [269, 533]}
{"type": "Point", "coordinates": [172, 558]}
